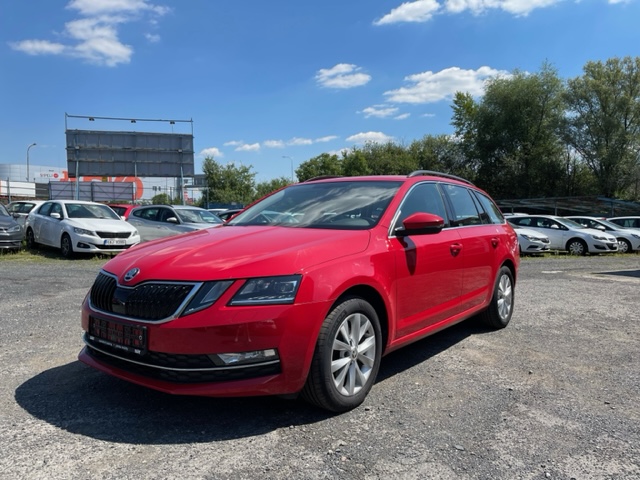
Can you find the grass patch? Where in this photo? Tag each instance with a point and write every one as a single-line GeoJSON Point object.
{"type": "Point", "coordinates": [48, 255]}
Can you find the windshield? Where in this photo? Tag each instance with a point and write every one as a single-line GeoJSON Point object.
{"type": "Point", "coordinates": [570, 223]}
{"type": "Point", "coordinates": [88, 210]}
{"type": "Point", "coordinates": [197, 216]}
{"type": "Point", "coordinates": [333, 205]}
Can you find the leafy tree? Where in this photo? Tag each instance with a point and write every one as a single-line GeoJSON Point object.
{"type": "Point", "coordinates": [604, 121]}
{"type": "Point", "coordinates": [161, 199]}
{"type": "Point", "coordinates": [513, 133]}
{"type": "Point", "coordinates": [265, 188]}
{"type": "Point", "coordinates": [354, 163]}
{"type": "Point", "coordinates": [323, 164]}
{"type": "Point", "coordinates": [228, 183]}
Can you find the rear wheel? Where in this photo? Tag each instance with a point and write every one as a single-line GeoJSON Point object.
{"type": "Point", "coordinates": [31, 239]}
{"type": "Point", "coordinates": [624, 246]}
{"type": "Point", "coordinates": [500, 310]}
{"type": "Point", "coordinates": [577, 247]}
{"type": "Point", "coordinates": [66, 247]}
{"type": "Point", "coordinates": [347, 357]}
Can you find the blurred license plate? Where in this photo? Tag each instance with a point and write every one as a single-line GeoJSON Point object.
{"type": "Point", "coordinates": [115, 241]}
{"type": "Point", "coordinates": [129, 338]}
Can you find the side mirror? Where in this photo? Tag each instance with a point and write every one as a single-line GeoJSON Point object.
{"type": "Point", "coordinates": [420, 223]}
{"type": "Point", "coordinates": [172, 220]}
{"type": "Point", "coordinates": [56, 216]}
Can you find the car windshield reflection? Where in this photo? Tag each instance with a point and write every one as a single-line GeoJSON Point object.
{"type": "Point", "coordinates": [333, 205]}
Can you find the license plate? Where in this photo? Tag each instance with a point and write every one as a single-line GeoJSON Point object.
{"type": "Point", "coordinates": [115, 241]}
{"type": "Point", "coordinates": [129, 338]}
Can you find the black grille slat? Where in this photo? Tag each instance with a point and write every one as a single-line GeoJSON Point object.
{"type": "Point", "coordinates": [148, 301]}
{"type": "Point", "coordinates": [114, 234]}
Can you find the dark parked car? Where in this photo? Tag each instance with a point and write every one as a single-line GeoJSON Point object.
{"type": "Point", "coordinates": [11, 233]}
{"type": "Point", "coordinates": [304, 291]}
{"type": "Point", "coordinates": [20, 210]}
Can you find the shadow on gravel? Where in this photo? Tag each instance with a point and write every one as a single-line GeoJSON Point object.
{"type": "Point", "coordinates": [86, 402]}
{"type": "Point", "coordinates": [623, 273]}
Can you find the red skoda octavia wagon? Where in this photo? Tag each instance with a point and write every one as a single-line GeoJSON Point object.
{"type": "Point", "coordinates": [305, 291]}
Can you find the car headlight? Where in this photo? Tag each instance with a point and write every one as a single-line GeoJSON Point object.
{"type": "Point", "coordinates": [82, 231]}
{"type": "Point", "coordinates": [15, 228]}
{"type": "Point", "coordinates": [207, 295]}
{"type": "Point", "coordinates": [268, 291]}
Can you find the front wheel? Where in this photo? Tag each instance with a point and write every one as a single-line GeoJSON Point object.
{"type": "Point", "coordinates": [624, 246]}
{"type": "Point", "coordinates": [577, 247]}
{"type": "Point", "coordinates": [499, 312]}
{"type": "Point", "coordinates": [66, 247]}
{"type": "Point", "coordinates": [346, 358]}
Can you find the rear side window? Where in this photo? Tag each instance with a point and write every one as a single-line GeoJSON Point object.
{"type": "Point", "coordinates": [490, 208]}
{"type": "Point", "coordinates": [464, 206]}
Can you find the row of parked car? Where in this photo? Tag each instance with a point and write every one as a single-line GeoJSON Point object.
{"type": "Point", "coordinates": [578, 235]}
{"type": "Point", "coordinates": [88, 227]}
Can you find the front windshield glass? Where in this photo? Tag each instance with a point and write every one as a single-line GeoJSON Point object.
{"type": "Point", "coordinates": [333, 205]}
{"type": "Point", "coordinates": [88, 210]}
{"type": "Point", "coordinates": [571, 223]}
{"type": "Point", "coordinates": [197, 216]}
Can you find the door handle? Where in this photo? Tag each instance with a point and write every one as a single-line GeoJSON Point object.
{"type": "Point", "coordinates": [455, 249]}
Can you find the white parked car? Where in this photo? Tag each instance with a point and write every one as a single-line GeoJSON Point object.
{"type": "Point", "coordinates": [530, 241]}
{"type": "Point", "coordinates": [628, 238]}
{"type": "Point", "coordinates": [565, 234]}
{"type": "Point", "coordinates": [76, 226]}
{"type": "Point", "coordinates": [627, 222]}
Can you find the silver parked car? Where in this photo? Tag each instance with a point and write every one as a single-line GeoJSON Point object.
{"type": "Point", "coordinates": [628, 239]}
{"type": "Point", "coordinates": [530, 241]}
{"type": "Point", "coordinates": [565, 234]}
{"type": "Point", "coordinates": [20, 210]}
{"type": "Point", "coordinates": [626, 222]}
{"type": "Point", "coordinates": [10, 231]}
{"type": "Point", "coordinates": [158, 221]}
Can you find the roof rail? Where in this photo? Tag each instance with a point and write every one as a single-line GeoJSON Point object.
{"type": "Point", "coordinates": [438, 174]}
{"type": "Point", "coordinates": [323, 177]}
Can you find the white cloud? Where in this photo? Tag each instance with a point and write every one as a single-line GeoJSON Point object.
{"type": "Point", "coordinates": [328, 138]}
{"type": "Point", "coordinates": [233, 143]}
{"type": "Point", "coordinates": [430, 87]}
{"type": "Point", "coordinates": [342, 75]}
{"type": "Point", "coordinates": [152, 37]}
{"type": "Point", "coordinates": [419, 11]}
{"type": "Point", "coordinates": [211, 152]}
{"type": "Point", "coordinates": [300, 141]}
{"type": "Point", "coordinates": [273, 144]}
{"type": "Point", "coordinates": [245, 147]}
{"type": "Point", "coordinates": [403, 116]}
{"type": "Point", "coordinates": [94, 37]}
{"type": "Point", "coordinates": [380, 111]}
{"type": "Point", "coordinates": [370, 137]}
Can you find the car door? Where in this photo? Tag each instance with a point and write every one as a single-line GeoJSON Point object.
{"type": "Point", "coordinates": [37, 221]}
{"type": "Point", "coordinates": [428, 267]}
{"type": "Point", "coordinates": [480, 238]}
{"type": "Point", "coordinates": [145, 221]}
{"type": "Point", "coordinates": [52, 226]}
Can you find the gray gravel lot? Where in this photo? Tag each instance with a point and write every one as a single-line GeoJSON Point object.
{"type": "Point", "coordinates": [554, 395]}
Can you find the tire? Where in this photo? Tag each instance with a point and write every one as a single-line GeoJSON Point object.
{"type": "Point", "coordinates": [577, 247]}
{"type": "Point", "coordinates": [66, 247]}
{"type": "Point", "coordinates": [498, 313]}
{"type": "Point", "coordinates": [31, 239]}
{"type": "Point", "coordinates": [624, 246]}
{"type": "Point", "coordinates": [347, 357]}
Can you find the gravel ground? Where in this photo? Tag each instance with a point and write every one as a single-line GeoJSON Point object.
{"type": "Point", "coordinates": [554, 395]}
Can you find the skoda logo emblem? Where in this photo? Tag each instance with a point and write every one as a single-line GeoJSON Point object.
{"type": "Point", "coordinates": [130, 274]}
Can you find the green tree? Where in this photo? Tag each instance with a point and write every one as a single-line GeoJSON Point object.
{"type": "Point", "coordinates": [323, 164]}
{"type": "Point", "coordinates": [265, 188]}
{"type": "Point", "coordinates": [603, 124]}
{"type": "Point", "coordinates": [161, 199]}
{"type": "Point", "coordinates": [513, 133]}
{"type": "Point", "coordinates": [228, 183]}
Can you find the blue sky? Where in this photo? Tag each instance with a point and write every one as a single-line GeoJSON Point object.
{"type": "Point", "coordinates": [275, 83]}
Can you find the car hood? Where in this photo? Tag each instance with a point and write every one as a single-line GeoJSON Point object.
{"type": "Point", "coordinates": [100, 224]}
{"type": "Point", "coordinates": [531, 233]}
{"type": "Point", "coordinates": [7, 222]}
{"type": "Point", "coordinates": [236, 252]}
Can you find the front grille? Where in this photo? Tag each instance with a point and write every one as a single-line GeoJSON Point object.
{"type": "Point", "coordinates": [176, 367]}
{"type": "Point", "coordinates": [147, 301]}
{"type": "Point", "coordinates": [114, 234]}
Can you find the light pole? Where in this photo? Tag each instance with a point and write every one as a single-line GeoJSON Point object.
{"type": "Point", "coordinates": [290, 158]}
{"type": "Point", "coordinates": [28, 148]}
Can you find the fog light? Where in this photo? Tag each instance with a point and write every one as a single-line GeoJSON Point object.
{"type": "Point", "coordinates": [82, 245]}
{"type": "Point", "coordinates": [244, 358]}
